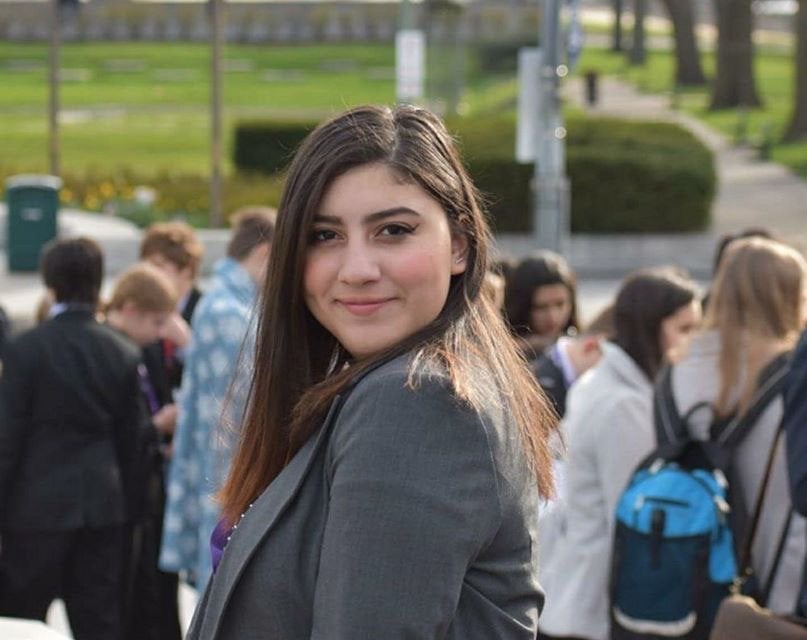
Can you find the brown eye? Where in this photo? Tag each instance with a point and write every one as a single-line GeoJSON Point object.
{"type": "Point", "coordinates": [396, 229]}
{"type": "Point", "coordinates": [322, 235]}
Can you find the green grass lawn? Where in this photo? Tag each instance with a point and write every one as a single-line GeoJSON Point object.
{"type": "Point", "coordinates": [144, 106]}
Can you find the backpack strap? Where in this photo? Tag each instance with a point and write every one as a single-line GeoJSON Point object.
{"type": "Point", "coordinates": [777, 560]}
{"type": "Point", "coordinates": [671, 426]}
{"type": "Point", "coordinates": [769, 386]}
{"type": "Point", "coordinates": [745, 570]}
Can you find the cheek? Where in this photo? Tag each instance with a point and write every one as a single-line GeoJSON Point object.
{"type": "Point", "coordinates": [671, 336]}
{"type": "Point", "coordinates": [314, 277]}
{"type": "Point", "coordinates": [425, 274]}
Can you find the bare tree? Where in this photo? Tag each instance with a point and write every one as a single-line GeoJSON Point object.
{"type": "Point", "coordinates": [797, 129]}
{"type": "Point", "coordinates": [54, 148]}
{"type": "Point", "coordinates": [688, 69]}
{"type": "Point", "coordinates": [638, 54]}
{"type": "Point", "coordinates": [617, 41]}
{"type": "Point", "coordinates": [734, 84]}
{"type": "Point", "coordinates": [216, 9]}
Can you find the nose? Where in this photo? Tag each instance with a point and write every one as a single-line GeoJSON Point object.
{"type": "Point", "coordinates": [359, 265]}
{"type": "Point", "coordinates": [556, 317]}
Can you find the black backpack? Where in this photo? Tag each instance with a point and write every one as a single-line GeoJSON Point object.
{"type": "Point", "coordinates": [678, 523]}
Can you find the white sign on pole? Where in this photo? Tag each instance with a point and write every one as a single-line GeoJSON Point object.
{"type": "Point", "coordinates": [410, 64]}
{"type": "Point", "coordinates": [529, 69]}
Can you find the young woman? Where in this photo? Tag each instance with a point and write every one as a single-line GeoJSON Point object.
{"type": "Point", "coordinates": [608, 429]}
{"type": "Point", "coordinates": [755, 314]}
{"type": "Point", "coordinates": [395, 445]}
{"type": "Point", "coordinates": [541, 301]}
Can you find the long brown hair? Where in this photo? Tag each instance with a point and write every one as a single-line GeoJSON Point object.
{"type": "Point", "coordinates": [757, 297]}
{"type": "Point", "coordinates": [300, 367]}
{"type": "Point", "coordinates": [541, 269]}
{"type": "Point", "coordinates": [646, 298]}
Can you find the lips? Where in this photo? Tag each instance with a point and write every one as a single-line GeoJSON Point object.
{"type": "Point", "coordinates": [366, 307]}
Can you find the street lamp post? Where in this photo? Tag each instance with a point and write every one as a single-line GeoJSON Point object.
{"type": "Point", "coordinates": [551, 186]}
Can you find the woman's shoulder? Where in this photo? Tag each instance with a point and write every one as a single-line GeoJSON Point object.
{"type": "Point", "coordinates": [421, 380]}
{"type": "Point", "coordinates": [413, 404]}
{"type": "Point", "coordinates": [404, 382]}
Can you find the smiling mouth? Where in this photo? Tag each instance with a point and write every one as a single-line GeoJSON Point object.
{"type": "Point", "coordinates": [363, 307]}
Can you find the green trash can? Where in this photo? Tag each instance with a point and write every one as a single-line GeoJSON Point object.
{"type": "Point", "coordinates": [32, 205]}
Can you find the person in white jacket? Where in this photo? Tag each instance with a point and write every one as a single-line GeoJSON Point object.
{"type": "Point", "coordinates": [608, 429]}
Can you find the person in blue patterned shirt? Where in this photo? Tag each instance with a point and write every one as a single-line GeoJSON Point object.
{"type": "Point", "coordinates": [215, 381]}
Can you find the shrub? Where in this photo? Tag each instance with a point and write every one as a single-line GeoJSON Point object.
{"type": "Point", "coordinates": [626, 176]}
{"type": "Point", "coordinates": [267, 146]}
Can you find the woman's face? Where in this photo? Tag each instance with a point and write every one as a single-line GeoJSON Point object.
{"type": "Point", "coordinates": [678, 328]}
{"type": "Point", "coordinates": [550, 310]}
{"type": "Point", "coordinates": [380, 260]}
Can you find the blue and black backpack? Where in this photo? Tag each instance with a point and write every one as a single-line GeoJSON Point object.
{"type": "Point", "coordinates": [678, 524]}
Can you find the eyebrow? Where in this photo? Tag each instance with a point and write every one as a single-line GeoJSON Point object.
{"type": "Point", "coordinates": [370, 218]}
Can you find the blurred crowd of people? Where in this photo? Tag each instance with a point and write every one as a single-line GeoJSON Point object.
{"type": "Point", "coordinates": [111, 439]}
{"type": "Point", "coordinates": [119, 417]}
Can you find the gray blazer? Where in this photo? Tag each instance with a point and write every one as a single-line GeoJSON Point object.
{"type": "Point", "coordinates": [406, 516]}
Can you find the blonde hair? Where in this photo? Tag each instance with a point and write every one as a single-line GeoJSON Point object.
{"type": "Point", "coordinates": [757, 296]}
{"type": "Point", "coordinates": [146, 287]}
{"type": "Point", "coordinates": [176, 242]}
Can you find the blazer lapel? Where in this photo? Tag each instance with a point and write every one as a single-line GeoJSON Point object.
{"type": "Point", "coordinates": [253, 528]}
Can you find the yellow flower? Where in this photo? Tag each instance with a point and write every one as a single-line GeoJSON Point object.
{"type": "Point", "coordinates": [66, 196]}
{"type": "Point", "coordinates": [107, 190]}
{"type": "Point", "coordinates": [91, 202]}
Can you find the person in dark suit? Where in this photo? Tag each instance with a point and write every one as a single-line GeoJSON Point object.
{"type": "Point", "coordinates": [794, 423]}
{"type": "Point", "coordinates": [70, 414]}
{"type": "Point", "coordinates": [395, 445]}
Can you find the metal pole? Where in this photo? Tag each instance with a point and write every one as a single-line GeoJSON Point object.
{"type": "Point", "coordinates": [216, 44]}
{"type": "Point", "coordinates": [550, 217]}
{"type": "Point", "coordinates": [53, 94]}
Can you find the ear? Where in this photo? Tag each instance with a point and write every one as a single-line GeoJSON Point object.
{"type": "Point", "coordinates": [459, 253]}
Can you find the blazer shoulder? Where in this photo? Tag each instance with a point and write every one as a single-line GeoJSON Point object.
{"type": "Point", "coordinates": [408, 411]}
{"type": "Point", "coordinates": [116, 340]}
{"type": "Point", "coordinates": [400, 382]}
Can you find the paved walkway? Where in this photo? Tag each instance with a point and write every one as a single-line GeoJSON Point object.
{"type": "Point", "coordinates": [750, 192]}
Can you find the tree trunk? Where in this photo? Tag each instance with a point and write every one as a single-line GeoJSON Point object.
{"type": "Point", "coordinates": [637, 49]}
{"type": "Point", "coordinates": [734, 84]}
{"type": "Point", "coordinates": [797, 129]}
{"type": "Point", "coordinates": [688, 69]}
{"type": "Point", "coordinates": [617, 42]}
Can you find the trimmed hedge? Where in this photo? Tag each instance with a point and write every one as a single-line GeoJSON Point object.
{"type": "Point", "coordinates": [626, 176]}
{"type": "Point", "coordinates": [267, 146]}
